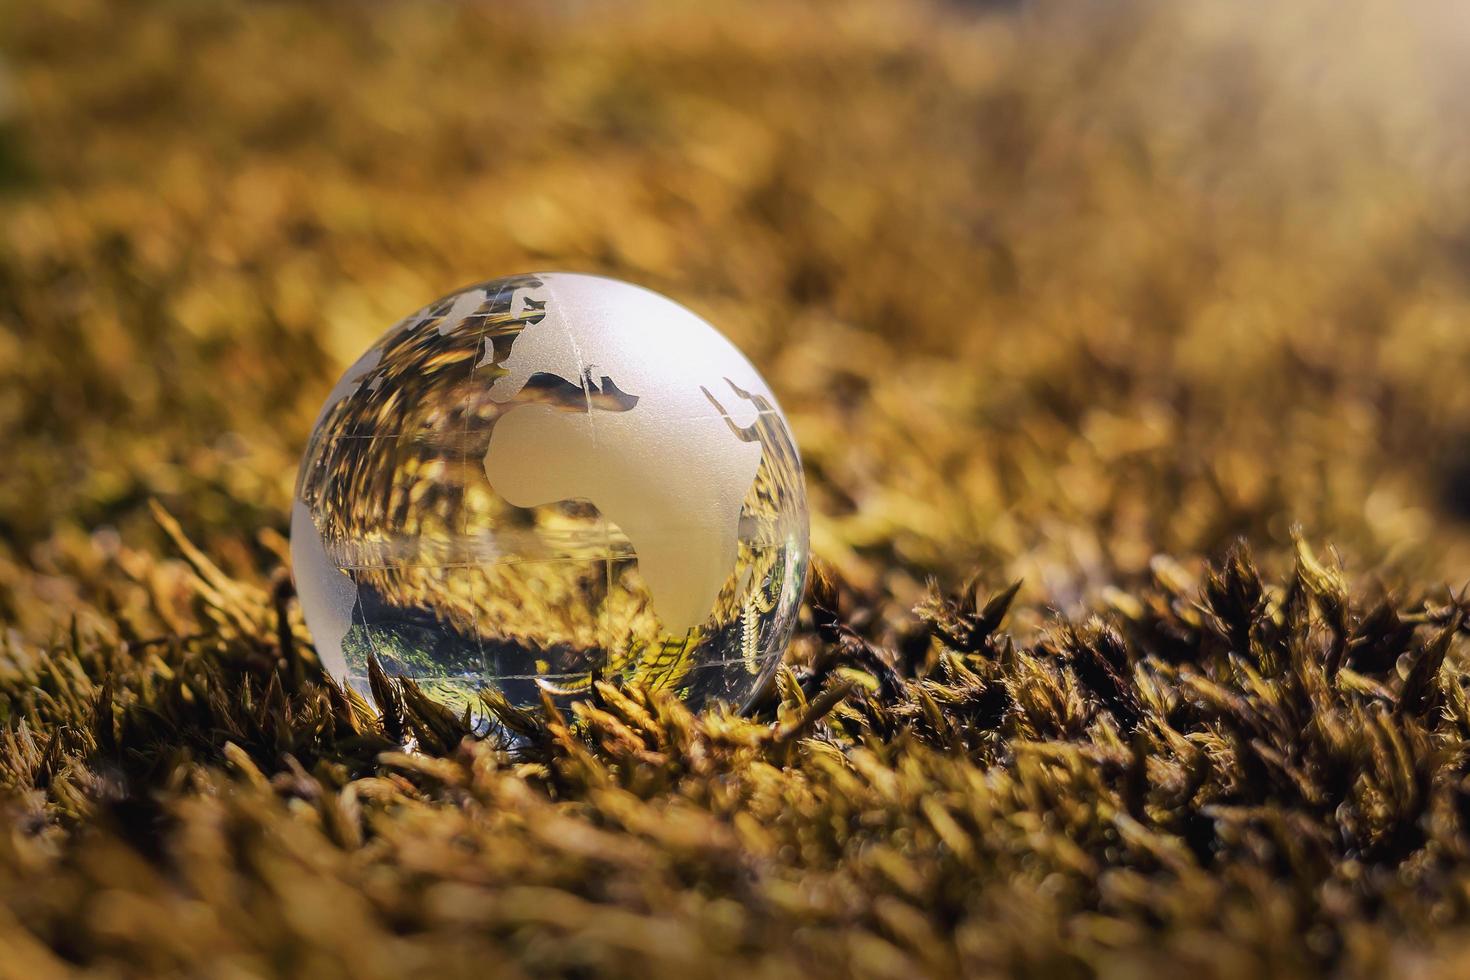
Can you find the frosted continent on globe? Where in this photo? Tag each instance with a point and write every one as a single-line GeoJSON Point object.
{"type": "Point", "coordinates": [545, 479]}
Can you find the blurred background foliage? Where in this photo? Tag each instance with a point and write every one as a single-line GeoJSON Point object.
{"type": "Point", "coordinates": [1046, 287]}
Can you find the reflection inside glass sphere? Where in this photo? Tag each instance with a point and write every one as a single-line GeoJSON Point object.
{"type": "Point", "coordinates": [546, 479]}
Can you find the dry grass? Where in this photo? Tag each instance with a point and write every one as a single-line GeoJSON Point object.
{"type": "Point", "coordinates": [1052, 297]}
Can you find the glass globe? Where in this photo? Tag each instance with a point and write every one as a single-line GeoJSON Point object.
{"type": "Point", "coordinates": [547, 479]}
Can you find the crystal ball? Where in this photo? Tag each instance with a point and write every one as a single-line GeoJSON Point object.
{"type": "Point", "coordinates": [545, 480]}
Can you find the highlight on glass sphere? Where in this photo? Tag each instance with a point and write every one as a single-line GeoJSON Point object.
{"type": "Point", "coordinates": [547, 479]}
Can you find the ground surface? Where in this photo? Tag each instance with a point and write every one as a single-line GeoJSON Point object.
{"type": "Point", "coordinates": [1050, 297]}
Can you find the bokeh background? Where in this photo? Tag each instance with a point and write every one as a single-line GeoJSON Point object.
{"type": "Point", "coordinates": [1072, 293]}
{"type": "Point", "coordinates": [1045, 287]}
